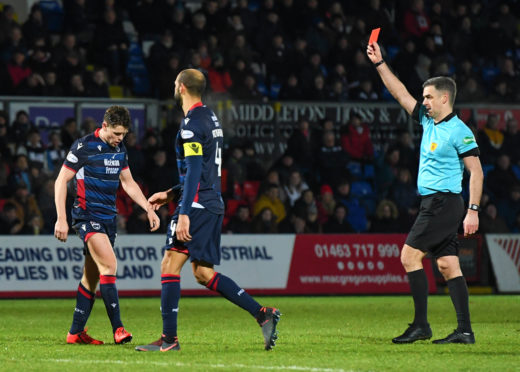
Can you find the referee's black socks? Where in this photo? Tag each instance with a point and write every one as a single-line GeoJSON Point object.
{"type": "Point", "coordinates": [419, 288]}
{"type": "Point", "coordinates": [460, 298]}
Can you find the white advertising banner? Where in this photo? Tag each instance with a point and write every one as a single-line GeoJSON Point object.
{"type": "Point", "coordinates": [41, 264]}
{"type": "Point", "coordinates": [504, 250]}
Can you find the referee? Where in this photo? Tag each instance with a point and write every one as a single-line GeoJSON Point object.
{"type": "Point", "coordinates": [447, 146]}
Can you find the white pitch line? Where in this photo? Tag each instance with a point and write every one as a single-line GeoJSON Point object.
{"type": "Point", "coordinates": [181, 364]}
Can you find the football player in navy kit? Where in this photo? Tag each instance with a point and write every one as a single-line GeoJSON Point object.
{"type": "Point", "coordinates": [99, 162]}
{"type": "Point", "coordinates": [195, 228]}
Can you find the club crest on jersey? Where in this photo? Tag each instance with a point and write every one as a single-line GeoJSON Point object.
{"type": "Point", "coordinates": [433, 146]}
{"type": "Point", "coordinates": [95, 225]}
{"type": "Point", "coordinates": [186, 134]}
{"type": "Point", "coordinates": [192, 149]}
{"type": "Point", "coordinates": [71, 157]}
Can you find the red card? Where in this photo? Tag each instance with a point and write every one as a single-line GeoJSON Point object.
{"type": "Point", "coordinates": [374, 35]}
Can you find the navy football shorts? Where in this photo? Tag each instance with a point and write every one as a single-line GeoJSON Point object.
{"type": "Point", "coordinates": [88, 227]}
{"type": "Point", "coordinates": [205, 229]}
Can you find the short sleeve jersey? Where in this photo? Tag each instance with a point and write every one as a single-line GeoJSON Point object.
{"type": "Point", "coordinates": [97, 166]}
{"type": "Point", "coordinates": [443, 147]}
{"type": "Point", "coordinates": [200, 134]}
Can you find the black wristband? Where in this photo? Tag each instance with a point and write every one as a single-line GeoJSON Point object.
{"type": "Point", "coordinates": [379, 63]}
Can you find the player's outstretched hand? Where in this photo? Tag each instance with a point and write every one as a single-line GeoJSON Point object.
{"type": "Point", "coordinates": [153, 219]}
{"type": "Point", "coordinates": [61, 230]}
{"type": "Point", "coordinates": [374, 53]}
{"type": "Point", "coordinates": [158, 199]}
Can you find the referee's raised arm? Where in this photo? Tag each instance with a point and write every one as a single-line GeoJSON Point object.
{"type": "Point", "coordinates": [392, 83]}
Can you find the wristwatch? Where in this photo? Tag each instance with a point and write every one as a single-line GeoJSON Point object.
{"type": "Point", "coordinates": [474, 207]}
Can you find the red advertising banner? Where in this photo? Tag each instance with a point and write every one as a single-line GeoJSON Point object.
{"type": "Point", "coordinates": [341, 264]}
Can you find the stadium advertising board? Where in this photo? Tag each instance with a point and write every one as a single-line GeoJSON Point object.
{"type": "Point", "coordinates": [360, 263]}
{"type": "Point", "coordinates": [504, 250]}
{"type": "Point", "coordinates": [39, 266]}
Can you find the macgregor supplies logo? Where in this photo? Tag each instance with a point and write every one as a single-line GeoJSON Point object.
{"type": "Point", "coordinates": [512, 248]}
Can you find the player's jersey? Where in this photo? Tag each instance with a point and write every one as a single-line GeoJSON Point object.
{"type": "Point", "coordinates": [200, 134]}
{"type": "Point", "coordinates": [443, 145]}
{"type": "Point", "coordinates": [97, 166]}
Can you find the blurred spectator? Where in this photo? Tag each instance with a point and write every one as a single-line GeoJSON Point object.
{"type": "Point", "coordinates": [491, 222]}
{"type": "Point", "coordinates": [111, 46]}
{"type": "Point", "coordinates": [237, 171]}
{"type": "Point", "coordinates": [386, 219]}
{"type": "Point", "coordinates": [76, 86]}
{"type": "Point", "coordinates": [254, 168]}
{"type": "Point", "coordinates": [7, 22]}
{"type": "Point", "coordinates": [416, 21]}
{"type": "Point", "coordinates": [19, 174]}
{"type": "Point", "coordinates": [75, 19]}
{"type": "Point", "coordinates": [51, 87]}
{"type": "Point", "coordinates": [295, 187]}
{"type": "Point", "coordinates": [511, 144]}
{"type": "Point", "coordinates": [55, 153]}
{"type": "Point", "coordinates": [265, 222]}
{"type": "Point", "coordinates": [501, 179]}
{"type": "Point", "coordinates": [387, 166]}
{"type": "Point", "coordinates": [300, 145]}
{"type": "Point", "coordinates": [33, 149]}
{"type": "Point", "coordinates": [472, 91]}
{"type": "Point", "coordinates": [26, 205]}
{"type": "Point", "coordinates": [164, 79]}
{"type": "Point", "coordinates": [218, 76]}
{"type": "Point", "coordinates": [270, 199]}
{"type": "Point", "coordinates": [98, 86]}
{"type": "Point", "coordinates": [34, 26]}
{"type": "Point", "coordinates": [160, 176]}
{"type": "Point", "coordinates": [14, 43]}
{"type": "Point", "coordinates": [355, 139]}
{"type": "Point", "coordinates": [331, 160]}
{"type": "Point", "coordinates": [5, 147]}
{"type": "Point", "coordinates": [69, 132]}
{"type": "Point", "coordinates": [240, 223]}
{"type": "Point", "coordinates": [17, 68]}
{"type": "Point", "coordinates": [509, 207]}
{"type": "Point", "coordinates": [67, 46]}
{"type": "Point", "coordinates": [32, 85]}
{"type": "Point", "coordinates": [326, 204]}
{"type": "Point", "coordinates": [20, 127]}
{"type": "Point", "coordinates": [9, 221]}
{"type": "Point", "coordinates": [365, 91]}
{"type": "Point", "coordinates": [404, 193]}
{"type": "Point", "coordinates": [88, 126]}
{"type": "Point", "coordinates": [337, 223]}
{"type": "Point", "coordinates": [137, 223]}
{"type": "Point", "coordinates": [248, 89]}
{"type": "Point", "coordinates": [490, 139]}
{"type": "Point", "coordinates": [136, 160]}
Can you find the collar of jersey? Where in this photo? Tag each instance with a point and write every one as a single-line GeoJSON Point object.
{"type": "Point", "coordinates": [447, 118]}
{"type": "Point", "coordinates": [198, 104]}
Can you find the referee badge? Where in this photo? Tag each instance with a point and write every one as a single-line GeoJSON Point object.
{"type": "Point", "coordinates": [433, 146]}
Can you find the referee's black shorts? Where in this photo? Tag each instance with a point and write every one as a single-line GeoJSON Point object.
{"type": "Point", "coordinates": [435, 229]}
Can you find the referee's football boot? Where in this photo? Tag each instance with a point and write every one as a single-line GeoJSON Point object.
{"type": "Point", "coordinates": [268, 318]}
{"type": "Point", "coordinates": [161, 345]}
{"type": "Point", "coordinates": [414, 333]}
{"type": "Point", "coordinates": [122, 336]}
{"type": "Point", "coordinates": [82, 338]}
{"type": "Point", "coordinates": [457, 337]}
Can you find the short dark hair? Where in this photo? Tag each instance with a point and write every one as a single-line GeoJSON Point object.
{"type": "Point", "coordinates": [117, 115]}
{"type": "Point", "coordinates": [443, 83]}
{"type": "Point", "coordinates": [194, 81]}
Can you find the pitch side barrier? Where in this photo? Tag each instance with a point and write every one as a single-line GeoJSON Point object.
{"type": "Point", "coordinates": [41, 266]}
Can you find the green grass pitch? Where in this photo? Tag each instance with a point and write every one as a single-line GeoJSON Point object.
{"type": "Point", "coordinates": [347, 333]}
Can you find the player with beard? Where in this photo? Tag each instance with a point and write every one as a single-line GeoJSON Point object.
{"type": "Point", "coordinates": [195, 228]}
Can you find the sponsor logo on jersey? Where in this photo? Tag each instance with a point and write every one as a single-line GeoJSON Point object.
{"type": "Point", "coordinates": [433, 146]}
{"type": "Point", "coordinates": [71, 157]}
{"type": "Point", "coordinates": [95, 225]}
{"type": "Point", "coordinates": [185, 134]}
{"type": "Point", "coordinates": [192, 149]}
{"type": "Point", "coordinates": [468, 140]}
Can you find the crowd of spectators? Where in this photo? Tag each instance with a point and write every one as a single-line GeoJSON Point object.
{"type": "Point", "coordinates": [262, 49]}
{"type": "Point", "coordinates": [329, 180]}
